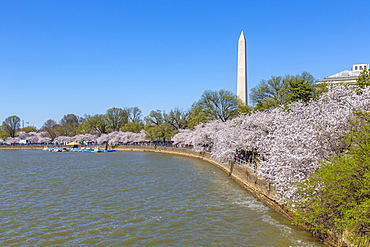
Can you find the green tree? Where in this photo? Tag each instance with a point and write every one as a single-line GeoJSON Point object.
{"type": "Point", "coordinates": [266, 104]}
{"type": "Point", "coordinates": [94, 124]}
{"type": "Point", "coordinates": [51, 127]}
{"type": "Point", "coordinates": [272, 92]}
{"type": "Point", "coordinates": [221, 105]}
{"type": "Point", "coordinates": [3, 134]}
{"type": "Point", "coordinates": [337, 196]}
{"type": "Point", "coordinates": [70, 119]}
{"type": "Point", "coordinates": [363, 80]}
{"type": "Point", "coordinates": [319, 89]}
{"type": "Point", "coordinates": [197, 116]}
{"type": "Point", "coordinates": [299, 90]}
{"type": "Point", "coordinates": [132, 127]}
{"type": "Point", "coordinates": [162, 131]}
{"type": "Point", "coordinates": [282, 90]}
{"type": "Point", "coordinates": [155, 118]}
{"type": "Point", "coordinates": [177, 118]}
{"type": "Point", "coordinates": [29, 129]}
{"type": "Point", "coordinates": [69, 124]}
{"type": "Point", "coordinates": [244, 109]}
{"type": "Point", "coordinates": [160, 125]}
{"type": "Point", "coordinates": [11, 125]}
{"type": "Point", "coordinates": [116, 118]}
{"type": "Point", "coordinates": [134, 115]}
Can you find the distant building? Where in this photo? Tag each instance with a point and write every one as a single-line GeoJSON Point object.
{"type": "Point", "coordinates": [347, 76]}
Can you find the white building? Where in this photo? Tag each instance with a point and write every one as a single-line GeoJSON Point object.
{"type": "Point", "coordinates": [347, 76]}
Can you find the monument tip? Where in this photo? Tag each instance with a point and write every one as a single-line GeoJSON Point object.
{"type": "Point", "coordinates": [242, 35]}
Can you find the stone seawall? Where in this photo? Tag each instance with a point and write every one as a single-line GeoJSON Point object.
{"type": "Point", "coordinates": [36, 147]}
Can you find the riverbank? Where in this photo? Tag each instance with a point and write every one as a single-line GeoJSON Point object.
{"type": "Point", "coordinates": [242, 174]}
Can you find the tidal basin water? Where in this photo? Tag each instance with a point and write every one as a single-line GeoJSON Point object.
{"type": "Point", "coordinates": [130, 198]}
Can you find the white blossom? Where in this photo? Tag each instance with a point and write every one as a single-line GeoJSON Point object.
{"type": "Point", "coordinates": [290, 142]}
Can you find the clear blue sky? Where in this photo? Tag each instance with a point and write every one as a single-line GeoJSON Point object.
{"type": "Point", "coordinates": [84, 56]}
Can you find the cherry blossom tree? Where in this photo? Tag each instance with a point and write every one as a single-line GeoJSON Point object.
{"type": "Point", "coordinates": [183, 137]}
{"type": "Point", "coordinates": [12, 140]}
{"type": "Point", "coordinates": [118, 137]}
{"type": "Point", "coordinates": [33, 137]}
{"type": "Point", "coordinates": [61, 140]}
{"type": "Point", "coordinates": [85, 138]}
{"type": "Point", "coordinates": [290, 141]}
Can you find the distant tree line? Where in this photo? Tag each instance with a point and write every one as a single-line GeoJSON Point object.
{"type": "Point", "coordinates": [213, 105]}
{"type": "Point", "coordinates": [282, 90]}
{"type": "Point", "coordinates": [220, 105]}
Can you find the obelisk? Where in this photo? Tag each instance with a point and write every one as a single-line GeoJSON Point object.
{"type": "Point", "coordinates": [242, 70]}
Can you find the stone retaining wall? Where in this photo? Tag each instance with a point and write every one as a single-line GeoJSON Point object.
{"type": "Point", "coordinates": [36, 147]}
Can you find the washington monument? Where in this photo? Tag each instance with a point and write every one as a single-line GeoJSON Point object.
{"type": "Point", "coordinates": [242, 70]}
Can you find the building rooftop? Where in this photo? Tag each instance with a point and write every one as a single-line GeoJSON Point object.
{"type": "Point", "coordinates": [347, 76]}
